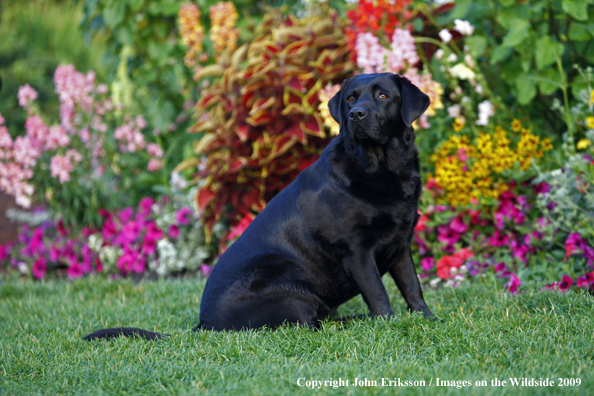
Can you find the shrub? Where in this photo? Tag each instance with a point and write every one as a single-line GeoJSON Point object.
{"type": "Point", "coordinates": [260, 118]}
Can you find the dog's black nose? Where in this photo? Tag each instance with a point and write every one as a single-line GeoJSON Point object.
{"type": "Point", "coordinates": [357, 114]}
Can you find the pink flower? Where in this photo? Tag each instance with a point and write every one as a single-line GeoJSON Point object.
{"type": "Point", "coordinates": [36, 131]}
{"type": "Point", "coordinates": [427, 263]}
{"type": "Point", "coordinates": [154, 165]}
{"type": "Point", "coordinates": [458, 225]}
{"type": "Point", "coordinates": [573, 244]}
{"type": "Point", "coordinates": [61, 167]}
{"type": "Point", "coordinates": [4, 252]}
{"type": "Point", "coordinates": [513, 283]}
{"type": "Point", "coordinates": [75, 271]}
{"type": "Point", "coordinates": [57, 137]}
{"type": "Point", "coordinates": [131, 261]}
{"type": "Point", "coordinates": [370, 54]}
{"type": "Point", "coordinates": [566, 283]}
{"type": "Point", "coordinates": [205, 270]}
{"type": "Point", "coordinates": [586, 281]}
{"type": "Point", "coordinates": [173, 231]}
{"type": "Point", "coordinates": [26, 96]}
{"type": "Point", "coordinates": [141, 122]}
{"type": "Point", "coordinates": [183, 216]}
{"type": "Point", "coordinates": [500, 267]}
{"type": "Point", "coordinates": [39, 268]}
{"type": "Point", "coordinates": [155, 150]}
{"type": "Point", "coordinates": [145, 205]}
{"type": "Point", "coordinates": [403, 51]}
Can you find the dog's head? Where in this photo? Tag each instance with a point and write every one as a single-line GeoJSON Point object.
{"type": "Point", "coordinates": [372, 108]}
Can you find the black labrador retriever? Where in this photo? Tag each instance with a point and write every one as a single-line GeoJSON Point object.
{"type": "Point", "coordinates": [331, 234]}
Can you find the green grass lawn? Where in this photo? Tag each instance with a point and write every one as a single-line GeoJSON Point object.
{"type": "Point", "coordinates": [486, 334]}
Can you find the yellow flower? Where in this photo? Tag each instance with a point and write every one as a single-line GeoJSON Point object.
{"type": "Point", "coordinates": [583, 144]}
{"type": "Point", "coordinates": [458, 124]}
{"type": "Point", "coordinates": [592, 95]}
{"type": "Point", "coordinates": [590, 121]}
{"type": "Point", "coordinates": [516, 125]}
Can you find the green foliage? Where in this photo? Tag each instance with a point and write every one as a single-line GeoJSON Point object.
{"type": "Point", "coordinates": [36, 37]}
{"type": "Point", "coordinates": [528, 49]}
{"type": "Point", "coordinates": [486, 334]}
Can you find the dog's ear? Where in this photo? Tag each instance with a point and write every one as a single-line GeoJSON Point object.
{"type": "Point", "coordinates": [335, 104]}
{"type": "Point", "coordinates": [413, 101]}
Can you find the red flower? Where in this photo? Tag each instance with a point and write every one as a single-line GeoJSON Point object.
{"type": "Point", "coordinates": [422, 223]}
{"type": "Point", "coordinates": [240, 228]}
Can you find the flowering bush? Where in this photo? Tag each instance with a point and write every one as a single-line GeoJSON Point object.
{"type": "Point", "coordinates": [164, 237]}
{"type": "Point", "coordinates": [93, 158]}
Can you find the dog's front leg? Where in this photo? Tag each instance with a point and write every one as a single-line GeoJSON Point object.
{"type": "Point", "coordinates": [404, 274]}
{"type": "Point", "coordinates": [364, 272]}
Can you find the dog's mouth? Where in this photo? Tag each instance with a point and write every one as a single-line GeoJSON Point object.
{"type": "Point", "coordinates": [364, 135]}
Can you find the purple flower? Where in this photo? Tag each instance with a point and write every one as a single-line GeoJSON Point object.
{"type": "Point", "coordinates": [566, 283]}
{"type": "Point", "coordinates": [39, 268]}
{"type": "Point", "coordinates": [183, 216]}
{"type": "Point", "coordinates": [75, 271]}
{"type": "Point", "coordinates": [500, 267]}
{"type": "Point", "coordinates": [205, 270]}
{"type": "Point", "coordinates": [498, 239]}
{"type": "Point", "coordinates": [458, 225]}
{"type": "Point", "coordinates": [126, 215]}
{"type": "Point", "coordinates": [145, 205]}
{"type": "Point", "coordinates": [427, 263]}
{"type": "Point", "coordinates": [513, 283]}
{"type": "Point", "coordinates": [173, 231]}
{"type": "Point", "coordinates": [586, 281]}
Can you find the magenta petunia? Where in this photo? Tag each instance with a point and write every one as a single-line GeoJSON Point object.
{"type": "Point", "coordinates": [427, 263]}
{"type": "Point", "coordinates": [39, 268]}
{"type": "Point", "coordinates": [205, 270]}
{"type": "Point", "coordinates": [173, 231]}
{"type": "Point", "coordinates": [566, 283]}
{"type": "Point", "coordinates": [183, 216]}
{"type": "Point", "coordinates": [75, 271]}
{"type": "Point", "coordinates": [499, 267]}
{"type": "Point", "coordinates": [513, 283]}
{"type": "Point", "coordinates": [145, 205]}
{"type": "Point", "coordinates": [586, 281]}
{"type": "Point", "coordinates": [458, 225]}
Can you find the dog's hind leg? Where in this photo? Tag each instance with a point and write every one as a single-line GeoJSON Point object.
{"type": "Point", "coordinates": [271, 311]}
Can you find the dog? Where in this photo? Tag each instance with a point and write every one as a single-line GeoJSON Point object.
{"type": "Point", "coordinates": [334, 232]}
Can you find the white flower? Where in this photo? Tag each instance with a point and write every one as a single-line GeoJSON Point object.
{"type": "Point", "coordinates": [433, 282]}
{"type": "Point", "coordinates": [454, 110]}
{"type": "Point", "coordinates": [462, 72]}
{"type": "Point", "coordinates": [464, 27]}
{"type": "Point", "coordinates": [452, 58]}
{"type": "Point", "coordinates": [469, 61]}
{"type": "Point", "coordinates": [445, 35]}
{"type": "Point", "coordinates": [486, 110]}
{"type": "Point", "coordinates": [439, 54]}
{"type": "Point", "coordinates": [478, 89]}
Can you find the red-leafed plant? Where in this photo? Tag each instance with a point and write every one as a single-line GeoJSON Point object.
{"type": "Point", "coordinates": [261, 120]}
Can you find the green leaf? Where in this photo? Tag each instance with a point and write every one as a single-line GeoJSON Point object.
{"type": "Point", "coordinates": [526, 88]}
{"type": "Point", "coordinates": [507, 3]}
{"type": "Point", "coordinates": [546, 51]}
{"type": "Point", "coordinates": [460, 9]}
{"type": "Point", "coordinates": [578, 9]}
{"type": "Point", "coordinates": [477, 45]}
{"type": "Point", "coordinates": [580, 32]}
{"type": "Point", "coordinates": [517, 33]}
{"type": "Point", "coordinates": [500, 54]}
{"type": "Point", "coordinates": [114, 13]}
{"type": "Point", "coordinates": [549, 81]}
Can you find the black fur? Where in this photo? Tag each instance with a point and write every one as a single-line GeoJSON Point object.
{"type": "Point", "coordinates": [343, 223]}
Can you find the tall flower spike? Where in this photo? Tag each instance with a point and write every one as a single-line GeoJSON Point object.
{"type": "Point", "coordinates": [223, 32]}
{"type": "Point", "coordinates": [191, 31]}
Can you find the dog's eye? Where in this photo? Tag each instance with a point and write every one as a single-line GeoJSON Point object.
{"type": "Point", "coordinates": [350, 98]}
{"type": "Point", "coordinates": [383, 96]}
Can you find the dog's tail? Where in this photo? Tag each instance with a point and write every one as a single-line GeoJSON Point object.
{"type": "Point", "coordinates": [126, 332]}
